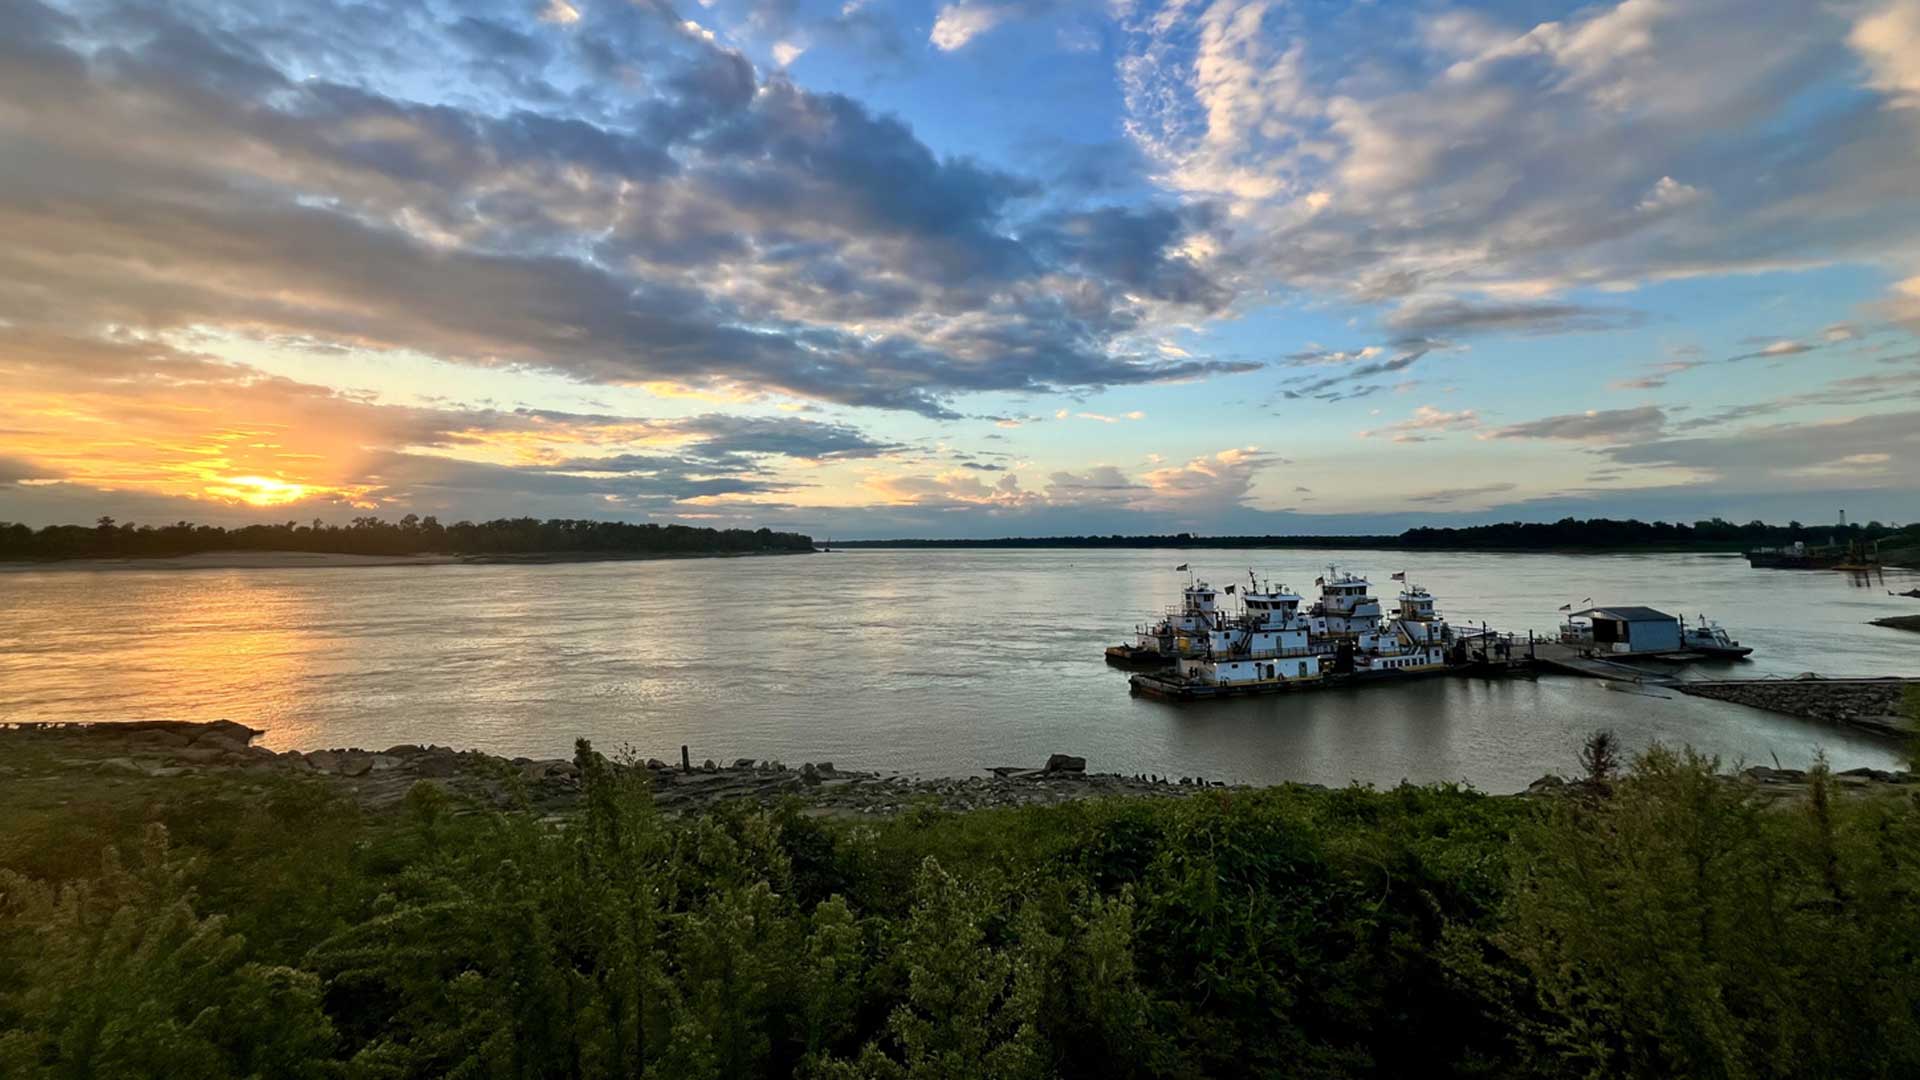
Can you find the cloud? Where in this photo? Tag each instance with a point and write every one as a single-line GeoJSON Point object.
{"type": "Point", "coordinates": [150, 419]}
{"type": "Point", "coordinates": [1514, 160]}
{"type": "Point", "coordinates": [695, 226]}
{"type": "Point", "coordinates": [559, 11]}
{"type": "Point", "coordinates": [1866, 451]}
{"type": "Point", "coordinates": [1601, 425]}
{"type": "Point", "coordinates": [1196, 491]}
{"type": "Point", "coordinates": [1458, 317]}
{"type": "Point", "coordinates": [1209, 484]}
{"type": "Point", "coordinates": [1888, 38]}
{"type": "Point", "coordinates": [959, 23]}
{"type": "Point", "coordinates": [1454, 495]}
{"type": "Point", "coordinates": [1424, 423]}
{"type": "Point", "coordinates": [1902, 305]}
{"type": "Point", "coordinates": [1774, 350]}
{"type": "Point", "coordinates": [1657, 376]}
{"type": "Point", "coordinates": [1407, 352]}
{"type": "Point", "coordinates": [1318, 356]}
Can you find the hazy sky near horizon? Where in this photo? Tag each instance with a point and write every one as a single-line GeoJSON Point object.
{"type": "Point", "coordinates": [970, 268]}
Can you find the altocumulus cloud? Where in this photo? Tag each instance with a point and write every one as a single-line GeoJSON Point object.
{"type": "Point", "coordinates": [1422, 155]}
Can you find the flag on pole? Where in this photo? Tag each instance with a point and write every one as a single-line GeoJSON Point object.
{"type": "Point", "coordinates": [1400, 576]}
{"type": "Point", "coordinates": [1182, 566]}
{"type": "Point", "coordinates": [1229, 590]}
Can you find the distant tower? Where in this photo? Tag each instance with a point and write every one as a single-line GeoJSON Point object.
{"type": "Point", "coordinates": [1843, 519]}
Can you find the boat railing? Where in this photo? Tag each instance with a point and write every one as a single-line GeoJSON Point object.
{"type": "Point", "coordinates": [1266, 654]}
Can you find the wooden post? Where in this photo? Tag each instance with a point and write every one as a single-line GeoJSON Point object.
{"type": "Point", "coordinates": [686, 763]}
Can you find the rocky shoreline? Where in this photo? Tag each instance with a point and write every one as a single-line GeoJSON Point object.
{"type": "Point", "coordinates": [380, 779]}
{"type": "Point", "coordinates": [1878, 706]}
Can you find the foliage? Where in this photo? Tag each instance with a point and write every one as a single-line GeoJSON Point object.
{"type": "Point", "coordinates": [1662, 924]}
{"type": "Point", "coordinates": [411, 535]}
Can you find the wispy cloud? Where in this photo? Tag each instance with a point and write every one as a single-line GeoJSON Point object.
{"type": "Point", "coordinates": [1594, 425]}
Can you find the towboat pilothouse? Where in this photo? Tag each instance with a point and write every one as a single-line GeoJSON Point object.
{"type": "Point", "coordinates": [1345, 608]}
{"type": "Point", "coordinates": [1416, 639]}
{"type": "Point", "coordinates": [1178, 634]}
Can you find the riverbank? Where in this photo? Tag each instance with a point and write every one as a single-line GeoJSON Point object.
{"type": "Point", "coordinates": [61, 755]}
{"type": "Point", "coordinates": [295, 560]}
{"type": "Point", "coordinates": [1881, 707]}
{"type": "Point", "coordinates": [381, 779]}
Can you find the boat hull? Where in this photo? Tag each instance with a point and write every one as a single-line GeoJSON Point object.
{"type": "Point", "coordinates": [1135, 657]}
{"type": "Point", "coordinates": [1722, 652]}
{"type": "Point", "coordinates": [1177, 689]}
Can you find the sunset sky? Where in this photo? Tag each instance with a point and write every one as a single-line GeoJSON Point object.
{"type": "Point", "coordinates": [877, 268]}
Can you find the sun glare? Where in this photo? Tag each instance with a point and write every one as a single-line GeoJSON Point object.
{"type": "Point", "coordinates": [258, 490]}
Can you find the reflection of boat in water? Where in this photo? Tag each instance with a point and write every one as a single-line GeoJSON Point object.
{"type": "Point", "coordinates": [1708, 639]}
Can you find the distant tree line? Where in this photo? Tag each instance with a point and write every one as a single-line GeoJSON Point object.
{"type": "Point", "coordinates": [1117, 540]}
{"type": "Point", "coordinates": [1712, 534]}
{"type": "Point", "coordinates": [411, 535]}
{"type": "Point", "coordinates": [1715, 534]}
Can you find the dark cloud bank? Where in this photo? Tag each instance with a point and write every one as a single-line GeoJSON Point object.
{"type": "Point", "coordinates": [616, 200]}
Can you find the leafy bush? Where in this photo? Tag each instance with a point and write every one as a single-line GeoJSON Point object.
{"type": "Point", "coordinates": [1664, 924]}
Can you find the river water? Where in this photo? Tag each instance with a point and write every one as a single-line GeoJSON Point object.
{"type": "Point", "coordinates": [933, 662]}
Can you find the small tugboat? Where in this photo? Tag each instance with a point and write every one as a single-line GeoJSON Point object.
{"type": "Point", "coordinates": [1910, 593]}
{"type": "Point", "coordinates": [1708, 639]}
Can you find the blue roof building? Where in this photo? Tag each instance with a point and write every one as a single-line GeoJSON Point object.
{"type": "Point", "coordinates": [1630, 630]}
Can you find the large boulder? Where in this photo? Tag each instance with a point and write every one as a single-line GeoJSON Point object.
{"type": "Point", "coordinates": [1066, 763]}
{"type": "Point", "coordinates": [437, 763]}
{"type": "Point", "coordinates": [224, 743]}
{"type": "Point", "coordinates": [160, 739]}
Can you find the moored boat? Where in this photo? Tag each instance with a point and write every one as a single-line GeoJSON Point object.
{"type": "Point", "coordinates": [1709, 639]}
{"type": "Point", "coordinates": [1272, 646]}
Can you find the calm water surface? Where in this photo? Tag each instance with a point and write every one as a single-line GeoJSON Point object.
{"type": "Point", "coordinates": [937, 662]}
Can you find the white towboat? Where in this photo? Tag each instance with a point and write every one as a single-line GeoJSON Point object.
{"type": "Point", "coordinates": [1179, 632]}
{"type": "Point", "coordinates": [1272, 644]}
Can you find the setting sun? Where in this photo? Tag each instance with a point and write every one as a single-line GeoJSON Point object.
{"type": "Point", "coordinates": [258, 490]}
